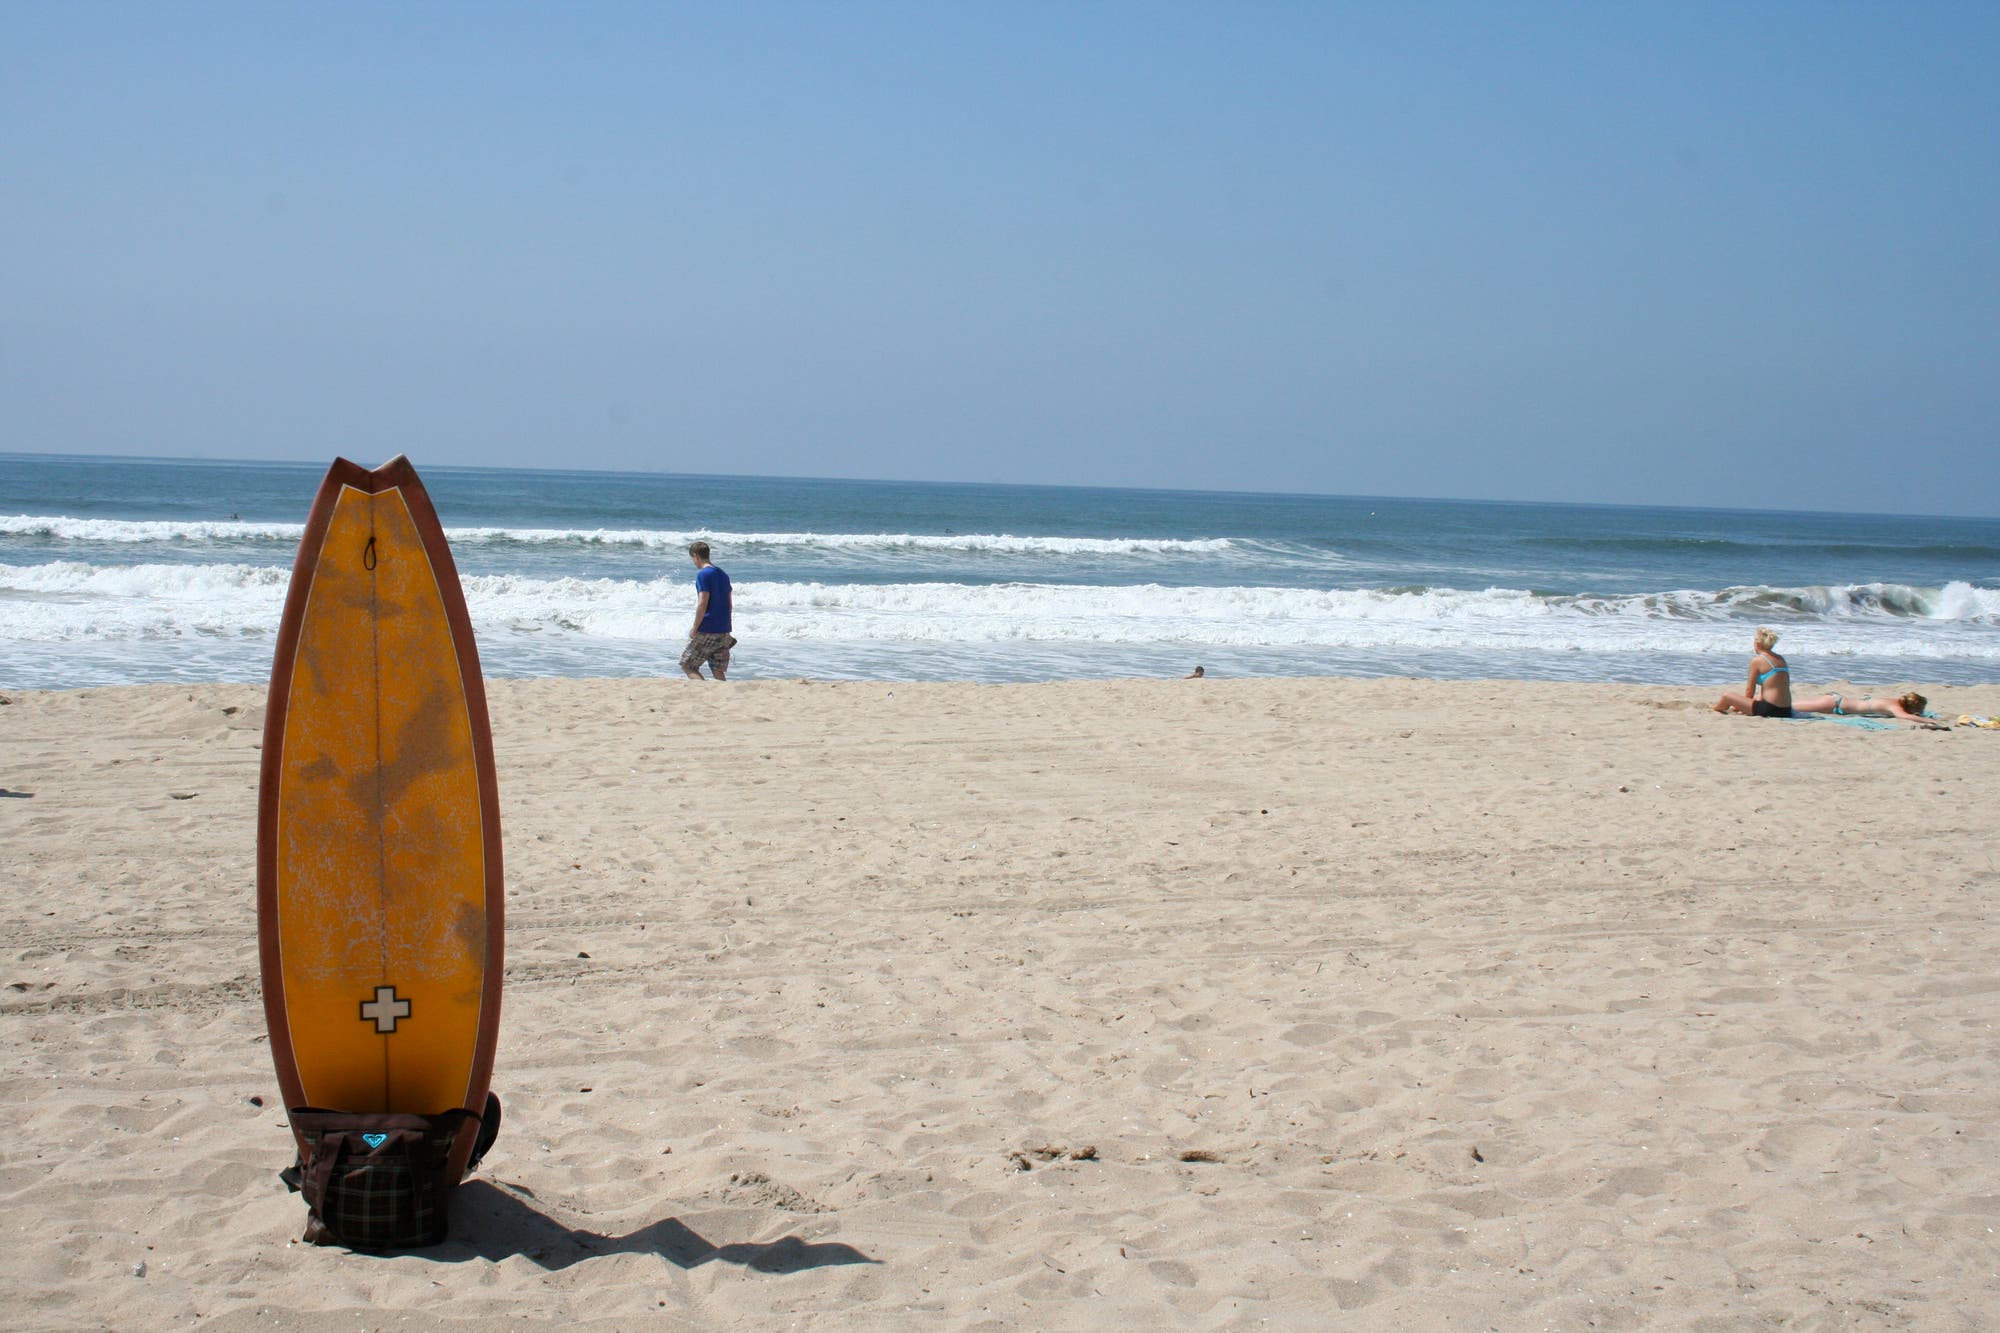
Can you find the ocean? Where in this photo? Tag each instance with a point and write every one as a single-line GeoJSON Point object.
{"type": "Point", "coordinates": [130, 570]}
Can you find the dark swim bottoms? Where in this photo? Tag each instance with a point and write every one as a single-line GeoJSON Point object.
{"type": "Point", "coordinates": [1759, 708]}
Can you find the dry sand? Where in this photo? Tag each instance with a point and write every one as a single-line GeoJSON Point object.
{"type": "Point", "coordinates": [1191, 1004]}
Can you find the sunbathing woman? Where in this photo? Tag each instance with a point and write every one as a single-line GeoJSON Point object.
{"type": "Point", "coordinates": [1769, 678]}
{"type": "Point", "coordinates": [1905, 708]}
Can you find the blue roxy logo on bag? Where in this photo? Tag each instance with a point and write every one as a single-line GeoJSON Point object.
{"type": "Point", "coordinates": [374, 1140]}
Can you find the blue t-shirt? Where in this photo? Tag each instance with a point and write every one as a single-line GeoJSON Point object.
{"type": "Point", "coordinates": [711, 580]}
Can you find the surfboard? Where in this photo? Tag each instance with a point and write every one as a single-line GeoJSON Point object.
{"type": "Point", "coordinates": [379, 890]}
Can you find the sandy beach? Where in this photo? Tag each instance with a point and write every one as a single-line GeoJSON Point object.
{"type": "Point", "coordinates": [1185, 1004]}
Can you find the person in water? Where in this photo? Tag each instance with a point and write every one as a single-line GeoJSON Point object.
{"type": "Point", "coordinates": [1904, 708]}
{"type": "Point", "coordinates": [1767, 692]}
{"type": "Point", "coordinates": [709, 640]}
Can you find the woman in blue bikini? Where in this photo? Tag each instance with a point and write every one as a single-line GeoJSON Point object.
{"type": "Point", "coordinates": [1768, 691]}
{"type": "Point", "coordinates": [1904, 708]}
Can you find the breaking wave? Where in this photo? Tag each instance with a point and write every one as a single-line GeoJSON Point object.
{"type": "Point", "coordinates": [224, 532]}
{"type": "Point", "coordinates": [72, 599]}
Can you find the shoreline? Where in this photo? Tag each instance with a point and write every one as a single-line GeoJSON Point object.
{"type": "Point", "coordinates": [1808, 684]}
{"type": "Point", "coordinates": [1064, 1004]}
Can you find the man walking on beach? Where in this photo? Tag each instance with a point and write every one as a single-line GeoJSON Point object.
{"type": "Point", "coordinates": [710, 640]}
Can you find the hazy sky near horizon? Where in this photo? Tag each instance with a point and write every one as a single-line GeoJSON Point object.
{"type": "Point", "coordinates": [1712, 254]}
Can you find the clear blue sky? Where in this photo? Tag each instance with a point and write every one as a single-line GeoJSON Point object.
{"type": "Point", "coordinates": [1731, 254]}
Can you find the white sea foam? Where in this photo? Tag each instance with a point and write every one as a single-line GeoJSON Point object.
{"type": "Point", "coordinates": [74, 600]}
{"type": "Point", "coordinates": [124, 532]}
{"type": "Point", "coordinates": [71, 600]}
{"type": "Point", "coordinates": [851, 542]}
{"type": "Point", "coordinates": [1360, 619]}
{"type": "Point", "coordinates": [1962, 601]}
{"type": "Point", "coordinates": [1954, 601]}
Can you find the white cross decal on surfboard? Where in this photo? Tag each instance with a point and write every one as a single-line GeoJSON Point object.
{"type": "Point", "coordinates": [385, 1009]}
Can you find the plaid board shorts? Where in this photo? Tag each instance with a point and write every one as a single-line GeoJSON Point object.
{"type": "Point", "coordinates": [707, 648]}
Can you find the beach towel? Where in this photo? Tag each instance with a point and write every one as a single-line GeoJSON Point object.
{"type": "Point", "coordinates": [1865, 723]}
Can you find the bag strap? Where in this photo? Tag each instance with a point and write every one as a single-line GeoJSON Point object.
{"type": "Point", "coordinates": [319, 1171]}
{"type": "Point", "coordinates": [295, 1177]}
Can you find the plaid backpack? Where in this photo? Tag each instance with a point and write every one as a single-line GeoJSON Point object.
{"type": "Point", "coordinates": [377, 1181]}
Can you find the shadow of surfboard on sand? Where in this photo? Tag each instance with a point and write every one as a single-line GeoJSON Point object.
{"type": "Point", "coordinates": [494, 1222]}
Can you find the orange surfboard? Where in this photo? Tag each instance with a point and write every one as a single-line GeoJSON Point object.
{"type": "Point", "coordinates": [379, 890]}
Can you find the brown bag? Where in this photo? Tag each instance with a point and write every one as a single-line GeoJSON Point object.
{"type": "Point", "coordinates": [375, 1181]}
